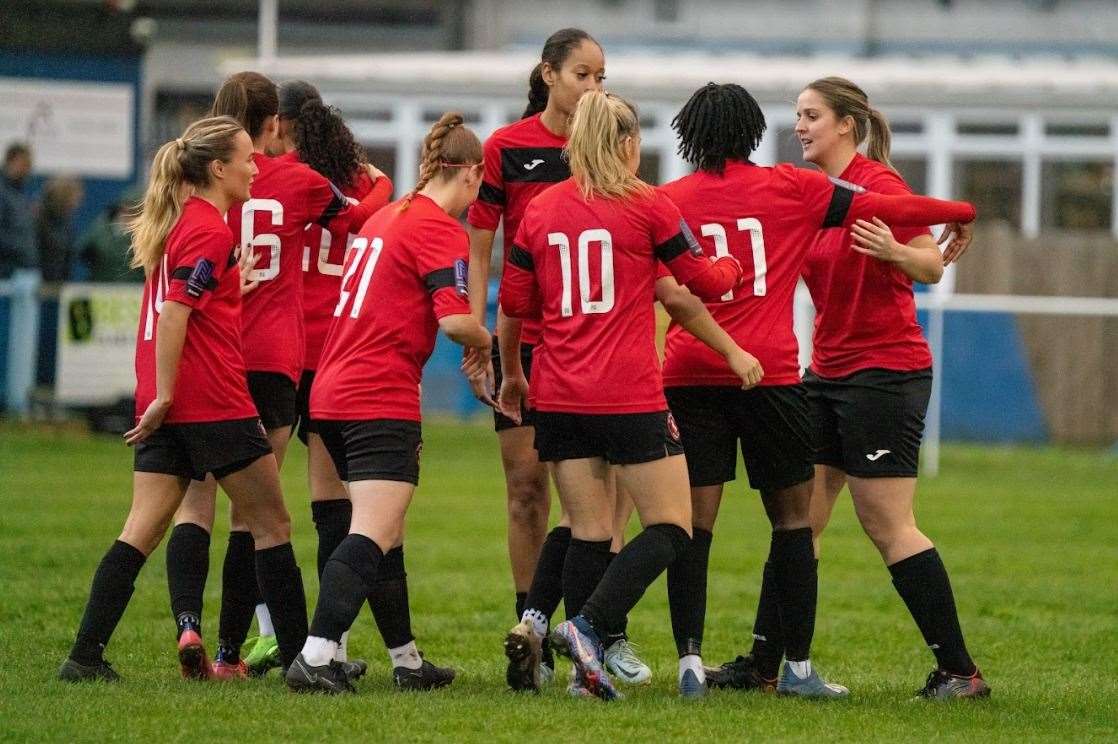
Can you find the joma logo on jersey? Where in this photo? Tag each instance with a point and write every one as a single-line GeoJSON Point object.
{"type": "Point", "coordinates": [534, 164]}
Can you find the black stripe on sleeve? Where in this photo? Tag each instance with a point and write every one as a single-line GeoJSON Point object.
{"type": "Point", "coordinates": [439, 279]}
{"type": "Point", "coordinates": [672, 248]}
{"type": "Point", "coordinates": [521, 258]}
{"type": "Point", "coordinates": [841, 199]}
{"type": "Point", "coordinates": [491, 194]}
{"type": "Point", "coordinates": [337, 203]}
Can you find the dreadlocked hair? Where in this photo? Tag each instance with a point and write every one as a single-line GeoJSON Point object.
{"type": "Point", "coordinates": [847, 99]}
{"type": "Point", "coordinates": [596, 148]}
{"type": "Point", "coordinates": [718, 123]}
{"type": "Point", "coordinates": [446, 148]}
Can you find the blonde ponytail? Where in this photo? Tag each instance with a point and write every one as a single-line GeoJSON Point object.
{"type": "Point", "coordinates": [178, 167]}
{"type": "Point", "coordinates": [596, 149]}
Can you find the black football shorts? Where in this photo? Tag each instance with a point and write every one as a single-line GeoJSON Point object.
{"type": "Point", "coordinates": [869, 424]}
{"type": "Point", "coordinates": [193, 450]}
{"type": "Point", "coordinates": [378, 449]}
{"type": "Point", "coordinates": [770, 423]}
{"type": "Point", "coordinates": [619, 438]}
{"type": "Point", "coordinates": [274, 396]}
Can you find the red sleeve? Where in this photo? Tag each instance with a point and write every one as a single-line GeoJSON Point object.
{"type": "Point", "coordinates": [678, 250]}
{"type": "Point", "coordinates": [837, 203]}
{"type": "Point", "coordinates": [485, 213]}
{"type": "Point", "coordinates": [519, 296]}
{"type": "Point", "coordinates": [889, 182]}
{"type": "Point", "coordinates": [442, 262]}
{"type": "Point", "coordinates": [199, 264]}
{"type": "Point", "coordinates": [377, 197]}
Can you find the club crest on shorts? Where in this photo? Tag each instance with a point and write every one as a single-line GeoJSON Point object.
{"type": "Point", "coordinates": [263, 431]}
{"type": "Point", "coordinates": [673, 428]}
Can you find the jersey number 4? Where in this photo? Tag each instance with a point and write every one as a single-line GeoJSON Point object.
{"type": "Point", "coordinates": [356, 256]}
{"type": "Point", "coordinates": [585, 239]}
{"type": "Point", "coordinates": [757, 242]}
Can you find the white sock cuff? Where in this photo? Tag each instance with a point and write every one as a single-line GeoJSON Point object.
{"type": "Point", "coordinates": [264, 620]}
{"type": "Point", "coordinates": [319, 651]}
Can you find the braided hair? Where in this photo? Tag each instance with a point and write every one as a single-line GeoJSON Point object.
{"type": "Point", "coordinates": [718, 123]}
{"type": "Point", "coordinates": [448, 146]}
{"type": "Point", "coordinates": [321, 136]}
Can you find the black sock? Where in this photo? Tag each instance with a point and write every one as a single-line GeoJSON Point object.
{"type": "Point", "coordinates": [281, 583]}
{"type": "Point", "coordinates": [521, 600]}
{"type": "Point", "coordinates": [347, 579]}
{"type": "Point", "coordinates": [687, 593]}
{"type": "Point", "coordinates": [922, 582]}
{"type": "Point", "coordinates": [613, 635]}
{"type": "Point", "coordinates": [112, 587]}
{"type": "Point", "coordinates": [797, 587]}
{"type": "Point", "coordinates": [547, 582]}
{"type": "Point", "coordinates": [239, 595]}
{"type": "Point", "coordinates": [637, 565]}
{"type": "Point", "coordinates": [331, 521]}
{"type": "Point", "coordinates": [188, 565]}
{"type": "Point", "coordinates": [584, 567]}
{"type": "Point", "coordinates": [768, 641]}
{"type": "Point", "coordinates": [388, 600]}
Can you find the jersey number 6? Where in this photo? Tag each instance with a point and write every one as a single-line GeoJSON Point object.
{"type": "Point", "coordinates": [251, 241]}
{"type": "Point", "coordinates": [605, 245]}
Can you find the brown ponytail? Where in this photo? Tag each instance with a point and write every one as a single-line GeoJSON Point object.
{"type": "Point", "coordinates": [178, 165]}
{"type": "Point", "coordinates": [847, 99]}
{"type": "Point", "coordinates": [250, 98]}
{"type": "Point", "coordinates": [448, 147]}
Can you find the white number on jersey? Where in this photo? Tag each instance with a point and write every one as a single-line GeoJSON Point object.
{"type": "Point", "coordinates": [605, 246]}
{"type": "Point", "coordinates": [252, 241]}
{"type": "Point", "coordinates": [360, 246]}
{"type": "Point", "coordinates": [155, 302]}
{"type": "Point", "coordinates": [324, 266]}
{"type": "Point", "coordinates": [757, 243]}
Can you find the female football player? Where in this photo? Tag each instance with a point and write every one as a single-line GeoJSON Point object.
{"type": "Point", "coordinates": [521, 160]}
{"type": "Point", "coordinates": [584, 263]}
{"type": "Point", "coordinates": [405, 278]}
{"type": "Point", "coordinates": [314, 133]}
{"type": "Point", "coordinates": [870, 377]}
{"type": "Point", "coordinates": [767, 218]}
{"type": "Point", "coordinates": [286, 197]}
{"type": "Point", "coordinates": [194, 413]}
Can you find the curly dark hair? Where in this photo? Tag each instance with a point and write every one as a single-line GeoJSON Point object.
{"type": "Point", "coordinates": [718, 123]}
{"type": "Point", "coordinates": [321, 136]}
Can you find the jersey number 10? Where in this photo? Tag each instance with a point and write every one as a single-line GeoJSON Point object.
{"type": "Point", "coordinates": [604, 240]}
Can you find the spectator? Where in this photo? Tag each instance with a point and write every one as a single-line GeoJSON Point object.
{"type": "Point", "coordinates": [105, 245]}
{"type": "Point", "coordinates": [17, 227]}
{"type": "Point", "coordinates": [57, 241]}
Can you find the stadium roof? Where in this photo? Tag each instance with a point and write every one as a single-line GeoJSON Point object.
{"type": "Point", "coordinates": [979, 81]}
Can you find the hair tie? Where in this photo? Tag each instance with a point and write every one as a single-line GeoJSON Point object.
{"type": "Point", "coordinates": [180, 143]}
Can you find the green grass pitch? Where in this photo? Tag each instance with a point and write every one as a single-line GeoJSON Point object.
{"type": "Point", "coordinates": [1029, 536]}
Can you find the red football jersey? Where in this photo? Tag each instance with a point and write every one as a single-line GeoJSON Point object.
{"type": "Point", "coordinates": [521, 160]}
{"type": "Point", "coordinates": [198, 270]}
{"type": "Point", "coordinates": [766, 218]}
{"type": "Point", "coordinates": [323, 259]}
{"type": "Point", "coordinates": [592, 266]}
{"type": "Point", "coordinates": [865, 313]}
{"type": "Point", "coordinates": [405, 270]}
{"type": "Point", "coordinates": [286, 196]}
